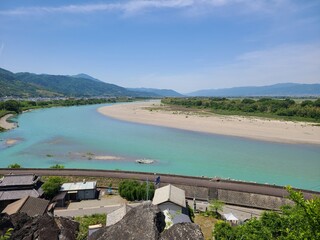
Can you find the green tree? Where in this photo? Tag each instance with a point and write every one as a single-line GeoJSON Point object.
{"type": "Point", "coordinates": [298, 221]}
{"type": "Point", "coordinates": [134, 190]}
{"type": "Point", "coordinates": [215, 206]}
{"type": "Point", "coordinates": [12, 105]}
{"type": "Point", "coordinates": [223, 231]}
{"type": "Point", "coordinates": [57, 166]}
{"type": "Point", "coordinates": [52, 186]}
{"type": "Point", "coordinates": [14, 165]}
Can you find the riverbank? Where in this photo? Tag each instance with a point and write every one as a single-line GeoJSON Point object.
{"type": "Point", "coordinates": [5, 124]}
{"type": "Point", "coordinates": [153, 113]}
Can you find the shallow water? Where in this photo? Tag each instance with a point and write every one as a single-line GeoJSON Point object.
{"type": "Point", "coordinates": [74, 136]}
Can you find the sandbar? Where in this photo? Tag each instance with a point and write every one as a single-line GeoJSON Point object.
{"type": "Point", "coordinates": [151, 113]}
{"type": "Point", "coordinates": [5, 124]}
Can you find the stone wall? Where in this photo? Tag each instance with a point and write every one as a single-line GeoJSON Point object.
{"type": "Point", "coordinates": [251, 199]}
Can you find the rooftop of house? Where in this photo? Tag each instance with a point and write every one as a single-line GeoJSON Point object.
{"type": "Point", "coordinates": [18, 194]}
{"type": "Point", "coordinates": [169, 193]}
{"type": "Point", "coordinates": [18, 180]}
{"type": "Point", "coordinates": [78, 186]}
{"type": "Point", "coordinates": [29, 205]}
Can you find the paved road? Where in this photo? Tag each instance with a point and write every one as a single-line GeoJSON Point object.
{"type": "Point", "coordinates": [166, 178]}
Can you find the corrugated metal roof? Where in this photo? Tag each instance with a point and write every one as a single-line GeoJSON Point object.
{"type": "Point", "coordinates": [169, 193]}
{"type": "Point", "coordinates": [78, 186]}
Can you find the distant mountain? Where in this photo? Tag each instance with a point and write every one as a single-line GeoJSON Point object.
{"type": "Point", "coordinates": [158, 92]}
{"type": "Point", "coordinates": [281, 89]}
{"type": "Point", "coordinates": [45, 85]}
{"type": "Point", "coordinates": [86, 76]}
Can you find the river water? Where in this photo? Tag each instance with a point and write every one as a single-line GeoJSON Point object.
{"type": "Point", "coordinates": [80, 137]}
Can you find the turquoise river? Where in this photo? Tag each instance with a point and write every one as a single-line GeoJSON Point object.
{"type": "Point", "coordinates": [80, 137]}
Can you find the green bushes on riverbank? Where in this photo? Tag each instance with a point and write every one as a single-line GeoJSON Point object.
{"type": "Point", "coordinates": [287, 109]}
{"type": "Point", "coordinates": [133, 190]}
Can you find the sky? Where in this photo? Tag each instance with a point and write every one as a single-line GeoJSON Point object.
{"type": "Point", "coordinates": [185, 45]}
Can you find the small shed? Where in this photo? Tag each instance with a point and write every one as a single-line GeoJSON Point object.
{"type": "Point", "coordinates": [80, 190]}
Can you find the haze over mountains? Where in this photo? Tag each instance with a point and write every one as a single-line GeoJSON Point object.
{"type": "Point", "coordinates": [82, 85]}
{"type": "Point", "coordinates": [281, 89]}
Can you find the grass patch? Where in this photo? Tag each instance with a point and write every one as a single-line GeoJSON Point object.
{"type": "Point", "coordinates": [86, 221]}
{"type": "Point", "coordinates": [101, 181]}
{"type": "Point", "coordinates": [206, 224]}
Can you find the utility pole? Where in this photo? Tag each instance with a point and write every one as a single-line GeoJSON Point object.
{"type": "Point", "coordinates": [147, 189]}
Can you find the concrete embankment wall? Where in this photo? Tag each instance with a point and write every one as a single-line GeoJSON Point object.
{"type": "Point", "coordinates": [233, 192]}
{"type": "Point", "coordinates": [238, 198]}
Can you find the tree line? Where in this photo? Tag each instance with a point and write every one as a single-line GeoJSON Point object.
{"type": "Point", "coordinates": [269, 107]}
{"type": "Point", "coordinates": [17, 106]}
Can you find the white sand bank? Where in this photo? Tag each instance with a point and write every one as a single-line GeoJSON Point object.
{"type": "Point", "coordinates": [5, 124]}
{"type": "Point", "coordinates": [248, 127]}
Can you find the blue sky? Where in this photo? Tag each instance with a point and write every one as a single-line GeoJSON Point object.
{"type": "Point", "coordinates": [184, 45]}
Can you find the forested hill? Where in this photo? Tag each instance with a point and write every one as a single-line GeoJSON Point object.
{"type": "Point", "coordinates": [281, 89]}
{"type": "Point", "coordinates": [45, 85]}
{"type": "Point", "coordinates": [160, 92]}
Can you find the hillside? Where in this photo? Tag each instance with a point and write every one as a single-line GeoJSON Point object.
{"type": "Point", "coordinates": [158, 92]}
{"type": "Point", "coordinates": [283, 89]}
{"type": "Point", "coordinates": [45, 85]}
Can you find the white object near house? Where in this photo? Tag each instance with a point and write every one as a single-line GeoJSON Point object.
{"type": "Point", "coordinates": [170, 197]}
{"type": "Point", "coordinates": [172, 202]}
{"type": "Point", "coordinates": [230, 218]}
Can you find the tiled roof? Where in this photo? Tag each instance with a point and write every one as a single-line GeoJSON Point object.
{"type": "Point", "coordinates": [18, 194]}
{"type": "Point", "coordinates": [29, 205]}
{"type": "Point", "coordinates": [169, 193]}
{"type": "Point", "coordinates": [18, 180]}
{"type": "Point", "coordinates": [34, 206]}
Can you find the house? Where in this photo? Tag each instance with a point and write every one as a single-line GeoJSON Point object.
{"type": "Point", "coordinates": [172, 202]}
{"type": "Point", "coordinates": [16, 186]}
{"type": "Point", "coordinates": [30, 205]}
{"type": "Point", "coordinates": [118, 214]}
{"type": "Point", "coordinates": [79, 190]}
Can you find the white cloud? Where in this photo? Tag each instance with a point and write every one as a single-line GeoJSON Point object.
{"type": "Point", "coordinates": [137, 6]}
{"type": "Point", "coordinates": [282, 64]}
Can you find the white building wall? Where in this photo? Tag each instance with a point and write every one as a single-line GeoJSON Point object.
{"type": "Point", "coordinates": [169, 206]}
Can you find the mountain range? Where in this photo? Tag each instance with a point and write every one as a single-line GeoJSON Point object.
{"type": "Point", "coordinates": [281, 89]}
{"type": "Point", "coordinates": [25, 84]}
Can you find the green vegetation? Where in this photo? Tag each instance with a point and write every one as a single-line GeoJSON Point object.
{"type": "Point", "coordinates": [300, 221]}
{"type": "Point", "coordinates": [133, 190]}
{"type": "Point", "coordinates": [14, 165]}
{"type": "Point", "coordinates": [7, 234]}
{"type": "Point", "coordinates": [215, 206]}
{"type": "Point", "coordinates": [52, 186]}
{"type": "Point", "coordinates": [86, 221]}
{"type": "Point", "coordinates": [57, 166]}
{"type": "Point", "coordinates": [287, 109]}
